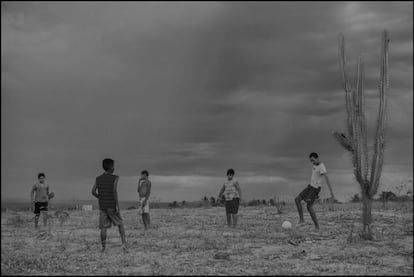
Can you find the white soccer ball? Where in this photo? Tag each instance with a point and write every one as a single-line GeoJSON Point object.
{"type": "Point", "coordinates": [286, 225]}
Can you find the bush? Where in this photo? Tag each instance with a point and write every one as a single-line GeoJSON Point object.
{"type": "Point", "coordinates": [356, 199]}
{"type": "Point", "coordinates": [173, 205]}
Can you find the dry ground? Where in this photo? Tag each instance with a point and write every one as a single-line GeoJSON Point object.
{"type": "Point", "coordinates": [197, 242]}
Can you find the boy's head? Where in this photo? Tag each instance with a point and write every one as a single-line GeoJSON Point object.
{"type": "Point", "coordinates": [41, 177]}
{"type": "Point", "coordinates": [144, 174]}
{"type": "Point", "coordinates": [108, 165]}
{"type": "Point", "coordinates": [314, 158]}
{"type": "Point", "coordinates": [230, 173]}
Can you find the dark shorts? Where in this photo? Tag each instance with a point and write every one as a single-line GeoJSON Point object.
{"type": "Point", "coordinates": [108, 217]}
{"type": "Point", "coordinates": [40, 207]}
{"type": "Point", "coordinates": [309, 194]}
{"type": "Point", "coordinates": [232, 206]}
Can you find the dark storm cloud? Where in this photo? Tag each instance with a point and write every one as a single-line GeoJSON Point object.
{"type": "Point", "coordinates": [188, 90]}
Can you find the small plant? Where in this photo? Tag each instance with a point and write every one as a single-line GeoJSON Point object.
{"type": "Point", "coordinates": [350, 238]}
{"type": "Point", "coordinates": [280, 206]}
{"type": "Point", "coordinates": [62, 216]}
{"type": "Point", "coordinates": [64, 241]}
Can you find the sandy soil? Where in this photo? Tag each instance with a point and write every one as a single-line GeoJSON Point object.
{"type": "Point", "coordinates": [198, 242]}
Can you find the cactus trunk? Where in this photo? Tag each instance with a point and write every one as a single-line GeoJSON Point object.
{"type": "Point", "coordinates": [367, 218]}
{"type": "Point", "coordinates": [356, 139]}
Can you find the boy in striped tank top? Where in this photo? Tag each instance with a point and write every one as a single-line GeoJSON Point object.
{"type": "Point", "coordinates": [232, 194]}
{"type": "Point", "coordinates": [105, 189]}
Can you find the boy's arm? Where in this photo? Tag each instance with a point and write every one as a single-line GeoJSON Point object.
{"type": "Point", "coordinates": [32, 192]}
{"type": "Point", "coordinates": [116, 195]}
{"type": "Point", "coordinates": [94, 193]}
{"type": "Point", "coordinates": [139, 183]}
{"type": "Point", "coordinates": [221, 192]}
{"type": "Point", "coordinates": [148, 190]}
{"type": "Point", "coordinates": [329, 185]}
{"type": "Point", "coordinates": [147, 194]}
{"type": "Point", "coordinates": [238, 189]}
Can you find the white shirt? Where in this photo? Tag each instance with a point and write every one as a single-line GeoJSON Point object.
{"type": "Point", "coordinates": [316, 178]}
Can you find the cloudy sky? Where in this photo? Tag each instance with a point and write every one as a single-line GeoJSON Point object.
{"type": "Point", "coordinates": [187, 90]}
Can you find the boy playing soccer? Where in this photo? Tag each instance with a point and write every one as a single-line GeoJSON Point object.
{"type": "Point", "coordinates": [311, 192]}
{"type": "Point", "coordinates": [144, 191]}
{"type": "Point", "coordinates": [39, 196]}
{"type": "Point", "coordinates": [232, 194]}
{"type": "Point", "coordinates": [109, 212]}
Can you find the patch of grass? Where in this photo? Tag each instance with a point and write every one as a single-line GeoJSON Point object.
{"type": "Point", "coordinates": [185, 241]}
{"type": "Point", "coordinates": [16, 220]}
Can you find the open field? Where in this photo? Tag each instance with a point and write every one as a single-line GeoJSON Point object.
{"type": "Point", "coordinates": [197, 242]}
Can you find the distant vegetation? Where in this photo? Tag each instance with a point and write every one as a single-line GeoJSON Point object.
{"type": "Point", "coordinates": [384, 196]}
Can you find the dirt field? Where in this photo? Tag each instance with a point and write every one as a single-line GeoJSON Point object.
{"type": "Point", "coordinates": [198, 242]}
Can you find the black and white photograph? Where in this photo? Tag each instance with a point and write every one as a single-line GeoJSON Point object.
{"type": "Point", "coordinates": [207, 138]}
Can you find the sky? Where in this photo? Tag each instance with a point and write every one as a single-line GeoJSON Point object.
{"type": "Point", "coordinates": [187, 90]}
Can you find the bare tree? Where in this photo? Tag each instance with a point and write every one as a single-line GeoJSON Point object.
{"type": "Point", "coordinates": [356, 139]}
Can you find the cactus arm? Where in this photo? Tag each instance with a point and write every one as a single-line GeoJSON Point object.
{"type": "Point", "coordinates": [350, 142]}
{"type": "Point", "coordinates": [346, 86]}
{"type": "Point", "coordinates": [343, 140]}
{"type": "Point", "coordinates": [342, 63]}
{"type": "Point", "coordinates": [360, 119]}
{"type": "Point", "coordinates": [379, 146]}
{"type": "Point", "coordinates": [357, 95]}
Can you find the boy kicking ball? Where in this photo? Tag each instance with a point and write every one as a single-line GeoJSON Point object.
{"type": "Point", "coordinates": [311, 192]}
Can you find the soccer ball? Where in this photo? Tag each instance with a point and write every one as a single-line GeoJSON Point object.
{"type": "Point", "coordinates": [286, 225]}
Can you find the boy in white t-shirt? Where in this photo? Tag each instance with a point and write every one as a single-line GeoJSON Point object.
{"type": "Point", "coordinates": [311, 192]}
{"type": "Point", "coordinates": [40, 196]}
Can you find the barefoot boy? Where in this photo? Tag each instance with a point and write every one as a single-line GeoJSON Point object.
{"type": "Point", "coordinates": [144, 191]}
{"type": "Point", "coordinates": [39, 196]}
{"type": "Point", "coordinates": [311, 192]}
{"type": "Point", "coordinates": [232, 195]}
{"type": "Point", "coordinates": [105, 189]}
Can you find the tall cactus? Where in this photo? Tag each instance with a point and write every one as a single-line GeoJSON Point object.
{"type": "Point", "coordinates": [356, 139]}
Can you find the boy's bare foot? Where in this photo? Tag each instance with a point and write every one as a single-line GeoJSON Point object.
{"type": "Point", "coordinates": [124, 248]}
{"type": "Point", "coordinates": [103, 249]}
